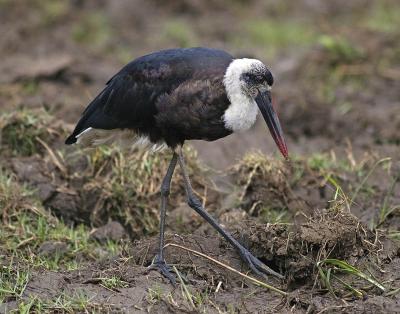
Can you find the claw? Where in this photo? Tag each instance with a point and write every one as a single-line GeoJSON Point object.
{"type": "Point", "coordinates": [161, 266]}
{"type": "Point", "coordinates": [257, 266]}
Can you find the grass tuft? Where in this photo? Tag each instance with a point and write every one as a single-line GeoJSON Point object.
{"type": "Point", "coordinates": [327, 267]}
{"type": "Point", "coordinates": [13, 281]}
{"type": "Point", "coordinates": [113, 283]}
{"type": "Point", "coordinates": [340, 50]}
{"type": "Point", "coordinates": [20, 130]}
{"type": "Point", "coordinates": [127, 185]}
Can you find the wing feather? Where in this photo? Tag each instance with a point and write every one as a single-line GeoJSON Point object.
{"type": "Point", "coordinates": [129, 99]}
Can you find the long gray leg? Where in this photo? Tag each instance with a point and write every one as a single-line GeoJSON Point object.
{"type": "Point", "coordinates": [159, 262]}
{"type": "Point", "coordinates": [254, 263]}
{"type": "Point", "coordinates": [165, 190]}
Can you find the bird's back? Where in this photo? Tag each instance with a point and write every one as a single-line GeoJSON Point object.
{"type": "Point", "coordinates": [129, 100]}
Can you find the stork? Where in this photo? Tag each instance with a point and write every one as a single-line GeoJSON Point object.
{"type": "Point", "coordinates": [168, 97]}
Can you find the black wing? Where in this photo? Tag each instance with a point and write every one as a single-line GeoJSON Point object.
{"type": "Point", "coordinates": [129, 98]}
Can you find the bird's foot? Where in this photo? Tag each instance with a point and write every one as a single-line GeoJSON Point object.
{"type": "Point", "coordinates": [256, 265]}
{"type": "Point", "coordinates": [161, 266]}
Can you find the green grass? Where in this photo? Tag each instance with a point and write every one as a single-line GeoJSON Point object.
{"type": "Point", "coordinates": [383, 16]}
{"type": "Point", "coordinates": [394, 234]}
{"type": "Point", "coordinates": [320, 162]}
{"type": "Point", "coordinates": [20, 131]}
{"type": "Point", "coordinates": [93, 29]}
{"type": "Point", "coordinates": [365, 178]}
{"type": "Point", "coordinates": [126, 184]}
{"type": "Point", "coordinates": [26, 226]}
{"type": "Point", "coordinates": [273, 215]}
{"type": "Point", "coordinates": [78, 302]}
{"type": "Point", "coordinates": [387, 208]}
{"type": "Point", "coordinates": [129, 185]}
{"type": "Point", "coordinates": [52, 11]}
{"type": "Point", "coordinates": [155, 294]}
{"type": "Point", "coordinates": [113, 283]}
{"type": "Point", "coordinates": [327, 268]}
{"type": "Point", "coordinates": [5, 3]}
{"type": "Point", "coordinates": [340, 49]}
{"type": "Point", "coordinates": [27, 232]}
{"type": "Point", "coordinates": [12, 194]}
{"type": "Point", "coordinates": [345, 180]}
{"type": "Point", "coordinates": [186, 293]}
{"type": "Point", "coordinates": [123, 53]}
{"type": "Point", "coordinates": [179, 32]}
{"type": "Point", "coordinates": [30, 87]}
{"type": "Point", "coordinates": [13, 280]}
{"type": "Point", "coordinates": [273, 36]}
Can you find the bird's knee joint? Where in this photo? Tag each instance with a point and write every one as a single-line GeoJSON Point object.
{"type": "Point", "coordinates": [194, 202]}
{"type": "Point", "coordinates": [165, 190]}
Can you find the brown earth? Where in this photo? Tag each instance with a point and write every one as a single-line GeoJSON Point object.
{"type": "Point", "coordinates": [336, 100]}
{"type": "Point", "coordinates": [293, 252]}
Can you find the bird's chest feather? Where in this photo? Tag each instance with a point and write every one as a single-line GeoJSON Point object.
{"type": "Point", "coordinates": [193, 105]}
{"type": "Point", "coordinates": [241, 113]}
{"type": "Point", "coordinates": [194, 110]}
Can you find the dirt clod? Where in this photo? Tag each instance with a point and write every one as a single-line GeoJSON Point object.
{"type": "Point", "coordinates": [295, 250]}
{"type": "Point", "coordinates": [113, 230]}
{"type": "Point", "coordinates": [53, 248]}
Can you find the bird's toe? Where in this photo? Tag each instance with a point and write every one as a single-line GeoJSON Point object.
{"type": "Point", "coordinates": [257, 266]}
{"type": "Point", "coordinates": [162, 267]}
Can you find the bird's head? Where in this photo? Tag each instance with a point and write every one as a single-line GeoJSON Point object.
{"type": "Point", "coordinates": [256, 77]}
{"type": "Point", "coordinates": [251, 79]}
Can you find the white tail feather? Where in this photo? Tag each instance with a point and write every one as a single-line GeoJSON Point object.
{"type": "Point", "coordinates": [126, 138]}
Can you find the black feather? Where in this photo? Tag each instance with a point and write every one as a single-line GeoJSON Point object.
{"type": "Point", "coordinates": [171, 95]}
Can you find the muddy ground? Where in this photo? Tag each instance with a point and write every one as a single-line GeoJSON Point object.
{"type": "Point", "coordinates": [78, 228]}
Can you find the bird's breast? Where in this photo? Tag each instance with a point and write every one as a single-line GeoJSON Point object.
{"type": "Point", "coordinates": [241, 113]}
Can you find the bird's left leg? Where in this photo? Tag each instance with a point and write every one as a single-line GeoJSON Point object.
{"type": "Point", "coordinates": [254, 263]}
{"type": "Point", "coordinates": [159, 261]}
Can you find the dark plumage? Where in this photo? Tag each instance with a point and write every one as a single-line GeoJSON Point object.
{"type": "Point", "coordinates": [175, 95]}
{"type": "Point", "coordinates": [151, 94]}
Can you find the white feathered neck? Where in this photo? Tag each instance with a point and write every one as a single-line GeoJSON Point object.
{"type": "Point", "coordinates": [242, 112]}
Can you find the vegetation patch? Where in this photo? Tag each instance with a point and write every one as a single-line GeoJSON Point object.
{"type": "Point", "coordinates": [79, 227]}
{"type": "Point", "coordinates": [23, 132]}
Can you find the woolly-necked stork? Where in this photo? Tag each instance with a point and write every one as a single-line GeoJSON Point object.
{"type": "Point", "coordinates": [174, 95]}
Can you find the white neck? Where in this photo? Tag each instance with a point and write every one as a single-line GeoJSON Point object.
{"type": "Point", "coordinates": [242, 112]}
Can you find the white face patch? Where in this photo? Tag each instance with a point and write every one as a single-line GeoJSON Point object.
{"type": "Point", "coordinates": [242, 112]}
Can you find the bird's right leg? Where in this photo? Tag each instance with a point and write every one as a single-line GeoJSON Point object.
{"type": "Point", "coordinates": [159, 261]}
{"type": "Point", "coordinates": [254, 263]}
